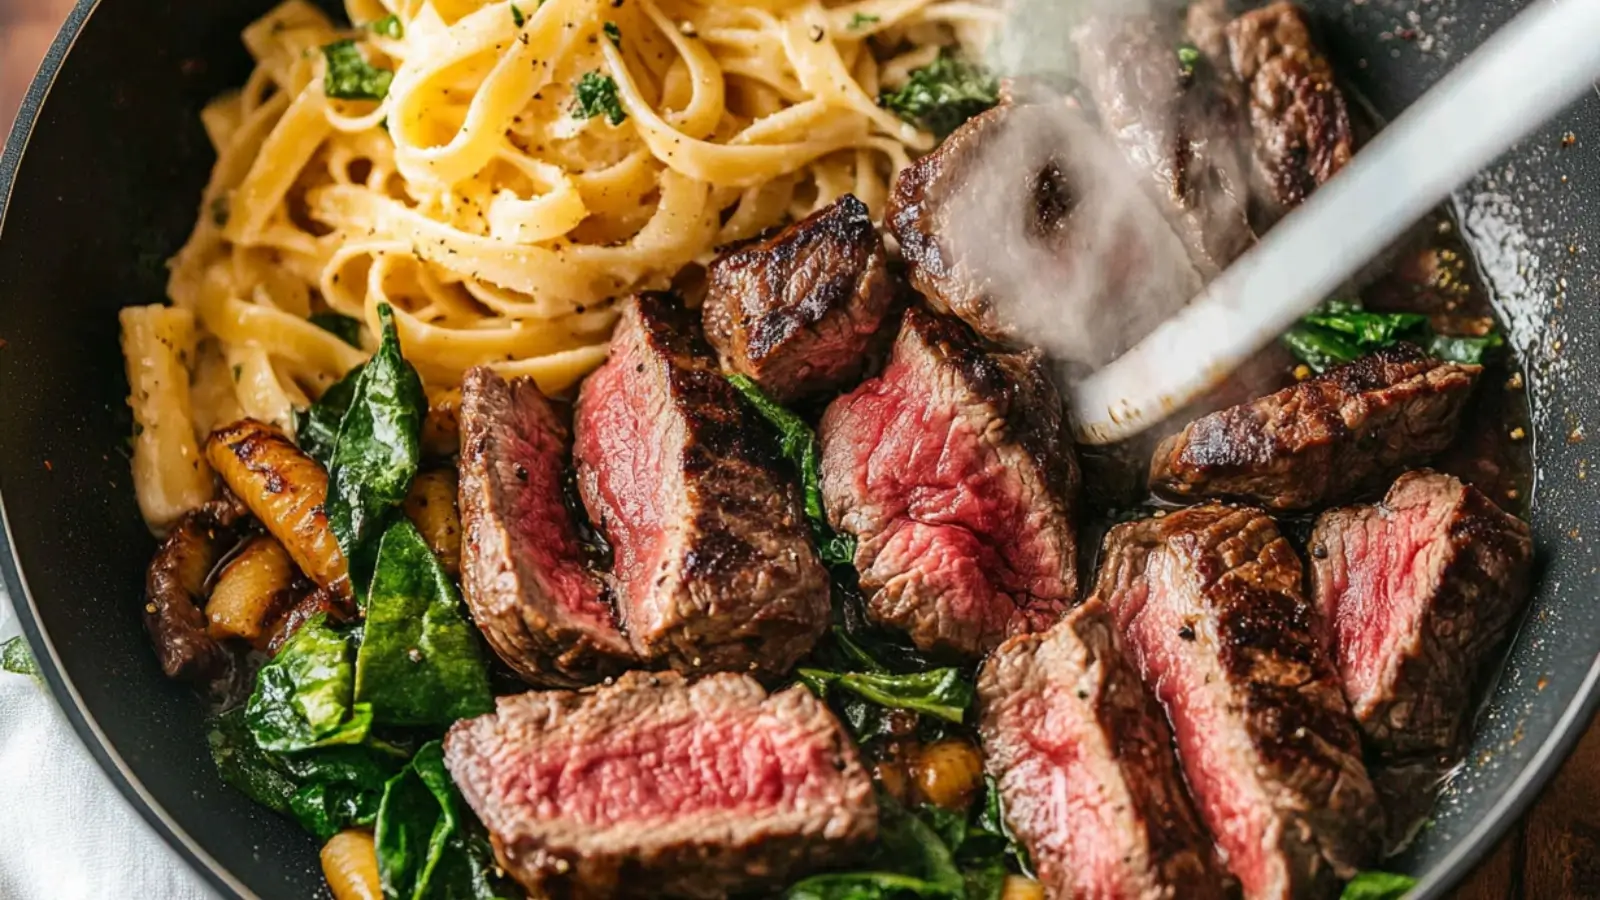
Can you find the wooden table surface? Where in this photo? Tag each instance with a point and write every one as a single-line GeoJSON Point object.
{"type": "Point", "coordinates": [1555, 853]}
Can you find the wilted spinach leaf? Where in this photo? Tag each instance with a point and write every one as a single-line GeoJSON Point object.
{"type": "Point", "coordinates": [17, 659]}
{"type": "Point", "coordinates": [258, 774]}
{"type": "Point", "coordinates": [419, 662]}
{"type": "Point", "coordinates": [911, 860]}
{"type": "Point", "coordinates": [991, 826]}
{"type": "Point", "coordinates": [377, 452]}
{"type": "Point", "coordinates": [1462, 349]}
{"type": "Point", "coordinates": [303, 696]}
{"type": "Point", "coordinates": [339, 325]}
{"type": "Point", "coordinates": [941, 693]}
{"type": "Point", "coordinates": [428, 845]}
{"type": "Point", "coordinates": [1342, 331]}
{"type": "Point", "coordinates": [798, 444]}
{"type": "Point", "coordinates": [1378, 886]}
{"type": "Point", "coordinates": [317, 428]}
{"type": "Point", "coordinates": [943, 95]}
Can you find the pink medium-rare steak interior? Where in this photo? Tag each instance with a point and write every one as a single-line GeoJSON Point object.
{"type": "Point", "coordinates": [715, 781]}
{"type": "Point", "coordinates": [1415, 591]}
{"type": "Point", "coordinates": [1084, 764]}
{"type": "Point", "coordinates": [1209, 600]}
{"type": "Point", "coordinates": [950, 470]}
{"type": "Point", "coordinates": [524, 572]}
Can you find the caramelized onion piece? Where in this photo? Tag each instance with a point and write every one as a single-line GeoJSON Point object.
{"type": "Point", "coordinates": [251, 591]}
{"type": "Point", "coordinates": [175, 587]}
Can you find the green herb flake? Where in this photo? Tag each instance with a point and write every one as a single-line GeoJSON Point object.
{"type": "Point", "coordinates": [596, 95]}
{"type": "Point", "coordinates": [389, 26]}
{"type": "Point", "coordinates": [344, 327]}
{"type": "Point", "coordinates": [303, 696]}
{"type": "Point", "coordinates": [219, 211]}
{"type": "Point", "coordinates": [942, 95]}
{"type": "Point", "coordinates": [17, 659]}
{"type": "Point", "coordinates": [1188, 58]}
{"type": "Point", "coordinates": [419, 662]}
{"type": "Point", "coordinates": [237, 370]}
{"type": "Point", "coordinates": [613, 34]}
{"type": "Point", "coordinates": [350, 77]}
{"type": "Point", "coordinates": [517, 18]}
{"type": "Point", "coordinates": [862, 20]}
{"type": "Point", "coordinates": [1378, 886]}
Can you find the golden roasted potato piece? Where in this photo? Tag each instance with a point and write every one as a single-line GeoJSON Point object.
{"type": "Point", "coordinates": [350, 863]}
{"type": "Point", "coordinates": [947, 773]}
{"type": "Point", "coordinates": [1018, 887]}
{"type": "Point", "coordinates": [251, 592]}
{"type": "Point", "coordinates": [441, 427]}
{"type": "Point", "coordinates": [286, 490]}
{"type": "Point", "coordinates": [431, 506]}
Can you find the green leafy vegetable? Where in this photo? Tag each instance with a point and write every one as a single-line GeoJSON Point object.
{"type": "Point", "coordinates": [517, 18]}
{"type": "Point", "coordinates": [992, 824]}
{"type": "Point", "coordinates": [343, 327]}
{"type": "Point", "coordinates": [911, 860]}
{"type": "Point", "coordinates": [942, 95]}
{"type": "Point", "coordinates": [1342, 331]}
{"type": "Point", "coordinates": [242, 763]}
{"type": "Point", "coordinates": [1188, 58]}
{"type": "Point", "coordinates": [303, 696]}
{"type": "Point", "coordinates": [317, 428]}
{"type": "Point", "coordinates": [862, 20]}
{"type": "Point", "coordinates": [613, 33]}
{"type": "Point", "coordinates": [390, 27]}
{"type": "Point", "coordinates": [941, 693]}
{"type": "Point", "coordinates": [798, 443]}
{"type": "Point", "coordinates": [596, 95]}
{"type": "Point", "coordinates": [1378, 886]}
{"type": "Point", "coordinates": [350, 77]}
{"type": "Point", "coordinates": [419, 662]}
{"type": "Point", "coordinates": [376, 455]}
{"type": "Point", "coordinates": [16, 658]}
{"type": "Point", "coordinates": [428, 845]}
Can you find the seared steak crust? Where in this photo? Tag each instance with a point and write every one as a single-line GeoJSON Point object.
{"type": "Point", "coordinates": [715, 569]}
{"type": "Point", "coordinates": [523, 572]}
{"type": "Point", "coordinates": [952, 471]}
{"type": "Point", "coordinates": [652, 787]}
{"type": "Point", "coordinates": [1415, 591]}
{"type": "Point", "coordinates": [1324, 439]}
{"type": "Point", "coordinates": [1210, 602]}
{"type": "Point", "coordinates": [798, 312]}
{"type": "Point", "coordinates": [1084, 762]}
{"type": "Point", "coordinates": [1297, 111]}
{"type": "Point", "coordinates": [1172, 123]}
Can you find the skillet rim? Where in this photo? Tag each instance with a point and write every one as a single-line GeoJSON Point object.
{"type": "Point", "coordinates": [1468, 852]}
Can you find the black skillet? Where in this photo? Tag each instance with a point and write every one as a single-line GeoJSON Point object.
{"type": "Point", "coordinates": [103, 181]}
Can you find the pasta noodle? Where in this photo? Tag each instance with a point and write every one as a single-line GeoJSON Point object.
{"type": "Point", "coordinates": [512, 168]}
{"type": "Point", "coordinates": [170, 474]}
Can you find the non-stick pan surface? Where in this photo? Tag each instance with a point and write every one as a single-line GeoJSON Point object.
{"type": "Point", "coordinates": [103, 174]}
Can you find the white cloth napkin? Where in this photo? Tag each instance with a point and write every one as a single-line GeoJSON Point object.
{"type": "Point", "coordinates": [65, 832]}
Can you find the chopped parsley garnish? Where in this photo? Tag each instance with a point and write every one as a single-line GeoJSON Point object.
{"type": "Point", "coordinates": [350, 76]}
{"type": "Point", "coordinates": [517, 18]}
{"type": "Point", "coordinates": [862, 20]}
{"type": "Point", "coordinates": [1188, 58]}
{"type": "Point", "coordinates": [390, 27]}
{"type": "Point", "coordinates": [613, 34]}
{"type": "Point", "coordinates": [943, 94]}
{"type": "Point", "coordinates": [596, 95]}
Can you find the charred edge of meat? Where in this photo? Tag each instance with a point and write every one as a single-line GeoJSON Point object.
{"type": "Point", "coordinates": [175, 589]}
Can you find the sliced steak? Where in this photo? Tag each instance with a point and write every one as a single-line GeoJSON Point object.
{"type": "Point", "coordinates": [1084, 763]}
{"type": "Point", "coordinates": [799, 312]}
{"type": "Point", "coordinates": [1028, 223]}
{"type": "Point", "coordinates": [952, 472]}
{"type": "Point", "coordinates": [715, 568]}
{"type": "Point", "coordinates": [652, 787]}
{"type": "Point", "coordinates": [1297, 112]}
{"type": "Point", "coordinates": [524, 573]}
{"type": "Point", "coordinates": [1173, 121]}
{"type": "Point", "coordinates": [1322, 440]}
{"type": "Point", "coordinates": [1210, 603]}
{"type": "Point", "coordinates": [1415, 591]}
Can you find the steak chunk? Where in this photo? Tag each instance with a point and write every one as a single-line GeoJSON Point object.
{"type": "Point", "coordinates": [1297, 112]}
{"type": "Point", "coordinates": [952, 472]}
{"type": "Point", "coordinates": [1209, 601]}
{"type": "Point", "coordinates": [714, 564]}
{"type": "Point", "coordinates": [1415, 591]}
{"type": "Point", "coordinates": [1172, 121]}
{"type": "Point", "coordinates": [654, 787]}
{"type": "Point", "coordinates": [1084, 763]}
{"type": "Point", "coordinates": [536, 598]}
{"type": "Point", "coordinates": [1324, 439]}
{"type": "Point", "coordinates": [1028, 224]}
{"type": "Point", "coordinates": [798, 312]}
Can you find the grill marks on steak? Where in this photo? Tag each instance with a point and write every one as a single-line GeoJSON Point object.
{"type": "Point", "coordinates": [1324, 439]}
{"type": "Point", "coordinates": [1172, 124]}
{"type": "Point", "coordinates": [655, 787]}
{"type": "Point", "coordinates": [1209, 601]}
{"type": "Point", "coordinates": [523, 571]}
{"type": "Point", "coordinates": [714, 566]}
{"type": "Point", "coordinates": [1028, 224]}
{"type": "Point", "coordinates": [1414, 592]}
{"type": "Point", "coordinates": [1297, 112]}
{"type": "Point", "coordinates": [1084, 763]}
{"type": "Point", "coordinates": [798, 312]}
{"type": "Point", "coordinates": [951, 470]}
